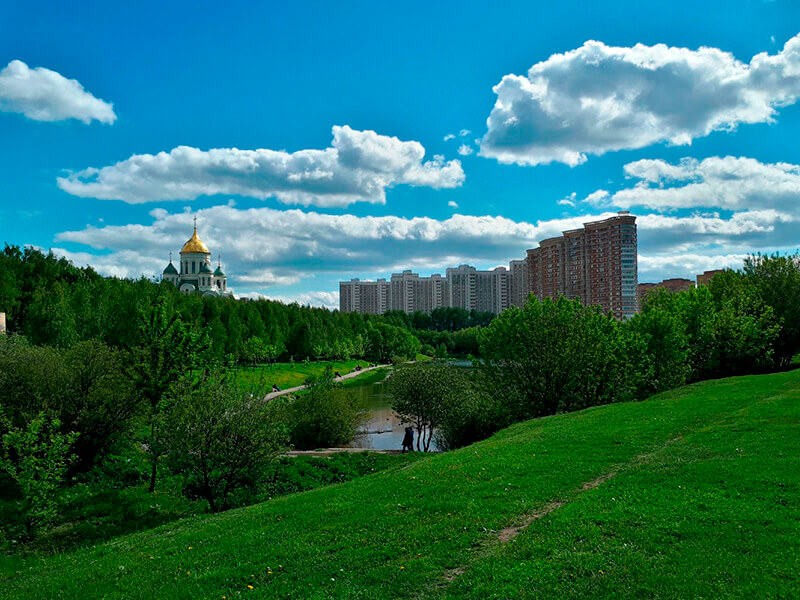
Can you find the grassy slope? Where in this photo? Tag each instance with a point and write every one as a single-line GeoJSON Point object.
{"type": "Point", "coordinates": [714, 514]}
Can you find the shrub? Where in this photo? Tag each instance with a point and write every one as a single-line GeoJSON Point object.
{"type": "Point", "coordinates": [221, 439]}
{"type": "Point", "coordinates": [555, 355]}
{"type": "Point", "coordinates": [326, 416]}
{"type": "Point", "coordinates": [36, 457]}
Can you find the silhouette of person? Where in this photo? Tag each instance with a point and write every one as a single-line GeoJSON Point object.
{"type": "Point", "coordinates": [408, 440]}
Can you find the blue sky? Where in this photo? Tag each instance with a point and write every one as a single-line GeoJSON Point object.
{"type": "Point", "coordinates": [702, 145]}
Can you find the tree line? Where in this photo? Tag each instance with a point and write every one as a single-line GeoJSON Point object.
{"type": "Point", "coordinates": [558, 355]}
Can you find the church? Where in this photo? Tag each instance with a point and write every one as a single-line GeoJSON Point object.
{"type": "Point", "coordinates": [196, 275]}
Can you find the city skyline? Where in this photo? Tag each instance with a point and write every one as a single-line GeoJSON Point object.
{"type": "Point", "coordinates": [595, 263]}
{"type": "Point", "coordinates": [317, 143]}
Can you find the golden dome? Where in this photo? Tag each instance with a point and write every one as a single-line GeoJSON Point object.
{"type": "Point", "coordinates": [195, 244]}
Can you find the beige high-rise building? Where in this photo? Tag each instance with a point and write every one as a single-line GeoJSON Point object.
{"type": "Point", "coordinates": [519, 282]}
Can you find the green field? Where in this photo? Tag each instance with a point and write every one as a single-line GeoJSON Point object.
{"type": "Point", "coordinates": [287, 375]}
{"type": "Point", "coordinates": [694, 493]}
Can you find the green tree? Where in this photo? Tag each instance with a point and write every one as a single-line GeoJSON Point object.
{"type": "Point", "coordinates": [36, 457]}
{"type": "Point", "coordinates": [424, 394]}
{"type": "Point", "coordinates": [553, 355]}
{"type": "Point", "coordinates": [327, 416]}
{"type": "Point", "coordinates": [167, 353]}
{"type": "Point", "coordinates": [776, 279]}
{"type": "Point", "coordinates": [222, 439]}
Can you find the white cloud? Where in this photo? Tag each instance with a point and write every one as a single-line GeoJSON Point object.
{"type": "Point", "coordinates": [465, 150]}
{"type": "Point", "coordinates": [449, 136]}
{"type": "Point", "coordinates": [329, 300]}
{"type": "Point", "coordinates": [358, 167]}
{"type": "Point", "coordinates": [452, 204]}
{"type": "Point", "coordinates": [44, 95]}
{"type": "Point", "coordinates": [599, 98]}
{"type": "Point", "coordinates": [464, 132]}
{"type": "Point", "coordinates": [729, 183]}
{"type": "Point", "coordinates": [568, 201]}
{"type": "Point", "coordinates": [265, 249]}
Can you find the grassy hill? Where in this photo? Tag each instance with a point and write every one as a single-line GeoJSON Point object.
{"type": "Point", "coordinates": [692, 494]}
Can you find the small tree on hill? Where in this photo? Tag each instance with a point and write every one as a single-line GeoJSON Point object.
{"type": "Point", "coordinates": [36, 457]}
{"type": "Point", "coordinates": [168, 352]}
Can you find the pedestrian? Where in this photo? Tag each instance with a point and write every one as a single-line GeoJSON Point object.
{"type": "Point", "coordinates": [408, 440]}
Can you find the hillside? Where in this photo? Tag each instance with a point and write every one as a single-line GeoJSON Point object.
{"type": "Point", "coordinates": [693, 493]}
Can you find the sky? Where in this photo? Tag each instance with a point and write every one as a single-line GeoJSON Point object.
{"type": "Point", "coordinates": [319, 141]}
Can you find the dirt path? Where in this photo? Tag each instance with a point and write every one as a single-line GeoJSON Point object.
{"type": "Point", "coordinates": [349, 375]}
{"type": "Point", "coordinates": [507, 534]}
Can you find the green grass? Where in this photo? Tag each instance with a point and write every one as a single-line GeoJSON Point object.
{"type": "Point", "coordinates": [705, 504]}
{"type": "Point", "coordinates": [287, 375]}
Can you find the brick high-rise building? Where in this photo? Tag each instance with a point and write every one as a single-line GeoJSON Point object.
{"type": "Point", "coordinates": [596, 264]}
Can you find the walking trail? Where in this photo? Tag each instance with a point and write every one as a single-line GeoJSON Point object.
{"type": "Point", "coordinates": [349, 375]}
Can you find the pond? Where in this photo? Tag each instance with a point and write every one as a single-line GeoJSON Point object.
{"type": "Point", "coordinates": [382, 430]}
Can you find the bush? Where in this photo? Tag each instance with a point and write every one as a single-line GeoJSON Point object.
{"type": "Point", "coordinates": [221, 440]}
{"type": "Point", "coordinates": [84, 386]}
{"type": "Point", "coordinates": [556, 355]}
{"type": "Point", "coordinates": [326, 416]}
{"type": "Point", "coordinates": [36, 457]}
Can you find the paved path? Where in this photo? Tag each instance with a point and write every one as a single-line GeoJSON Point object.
{"type": "Point", "coordinates": [329, 451]}
{"type": "Point", "coordinates": [349, 375]}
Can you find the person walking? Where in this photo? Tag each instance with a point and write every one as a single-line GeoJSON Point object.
{"type": "Point", "coordinates": [408, 440]}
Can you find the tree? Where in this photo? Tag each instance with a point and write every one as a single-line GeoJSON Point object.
{"type": "Point", "coordinates": [36, 457]}
{"type": "Point", "coordinates": [551, 356]}
{"type": "Point", "coordinates": [167, 353]}
{"type": "Point", "coordinates": [326, 416]}
{"type": "Point", "coordinates": [221, 439]}
{"type": "Point", "coordinates": [423, 393]}
{"type": "Point", "coordinates": [776, 279]}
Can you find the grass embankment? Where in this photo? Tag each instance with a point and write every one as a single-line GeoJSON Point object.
{"type": "Point", "coordinates": [101, 508]}
{"type": "Point", "coordinates": [697, 495]}
{"type": "Point", "coordinates": [287, 374]}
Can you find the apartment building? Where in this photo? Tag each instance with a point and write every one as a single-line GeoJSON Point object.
{"type": "Point", "coordinates": [596, 264]}
{"type": "Point", "coordinates": [675, 284]}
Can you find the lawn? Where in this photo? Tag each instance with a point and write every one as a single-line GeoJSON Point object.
{"type": "Point", "coordinates": [287, 375]}
{"type": "Point", "coordinates": [695, 494]}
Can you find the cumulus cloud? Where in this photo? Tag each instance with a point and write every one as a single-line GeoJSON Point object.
{"type": "Point", "coordinates": [449, 136]}
{"type": "Point", "coordinates": [464, 132]}
{"type": "Point", "coordinates": [44, 95]}
{"type": "Point", "coordinates": [358, 167]}
{"type": "Point", "coordinates": [465, 150]}
{"type": "Point", "coordinates": [329, 300]}
{"type": "Point", "coordinates": [272, 251]}
{"type": "Point", "coordinates": [600, 98]}
{"type": "Point", "coordinates": [730, 183]}
{"type": "Point", "coordinates": [452, 204]}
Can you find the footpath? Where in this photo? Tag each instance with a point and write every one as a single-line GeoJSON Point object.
{"type": "Point", "coordinates": [350, 375]}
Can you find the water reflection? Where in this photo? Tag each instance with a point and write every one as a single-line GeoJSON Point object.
{"type": "Point", "coordinates": [382, 430]}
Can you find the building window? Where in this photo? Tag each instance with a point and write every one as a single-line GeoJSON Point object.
{"type": "Point", "coordinates": [192, 267]}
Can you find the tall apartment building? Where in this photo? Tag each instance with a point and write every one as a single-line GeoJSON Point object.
{"type": "Point", "coordinates": [371, 297]}
{"type": "Point", "coordinates": [519, 282]}
{"type": "Point", "coordinates": [461, 287]}
{"type": "Point", "coordinates": [596, 264]}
